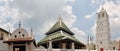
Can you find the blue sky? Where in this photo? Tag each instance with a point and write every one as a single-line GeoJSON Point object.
{"type": "Point", "coordinates": [78, 15]}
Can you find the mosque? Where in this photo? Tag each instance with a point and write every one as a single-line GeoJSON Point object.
{"type": "Point", "coordinates": [59, 36]}
{"type": "Point", "coordinates": [21, 40]}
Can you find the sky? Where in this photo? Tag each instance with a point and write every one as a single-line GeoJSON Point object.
{"type": "Point", "coordinates": [79, 15]}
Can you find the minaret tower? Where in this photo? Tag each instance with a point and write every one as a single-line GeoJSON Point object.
{"type": "Point", "coordinates": [103, 35]}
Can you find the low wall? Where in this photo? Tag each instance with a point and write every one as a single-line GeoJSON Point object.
{"type": "Point", "coordinates": [68, 50]}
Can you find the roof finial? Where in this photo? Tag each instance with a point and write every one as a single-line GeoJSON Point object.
{"type": "Point", "coordinates": [60, 19]}
{"type": "Point", "coordinates": [31, 32]}
{"type": "Point", "coordinates": [102, 8]}
{"type": "Point", "coordinates": [102, 2]}
{"type": "Point", "coordinates": [19, 23]}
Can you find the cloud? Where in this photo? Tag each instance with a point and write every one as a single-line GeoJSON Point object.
{"type": "Point", "coordinates": [112, 8]}
{"type": "Point", "coordinates": [93, 29]}
{"type": "Point", "coordinates": [80, 35]}
{"type": "Point", "coordinates": [70, 0]}
{"type": "Point", "coordinates": [68, 13]}
{"type": "Point", "coordinates": [89, 16]}
{"type": "Point", "coordinates": [39, 14]}
{"type": "Point", "coordinates": [96, 2]}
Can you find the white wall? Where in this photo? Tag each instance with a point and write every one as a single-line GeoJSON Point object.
{"type": "Point", "coordinates": [3, 46]}
{"type": "Point", "coordinates": [68, 50]}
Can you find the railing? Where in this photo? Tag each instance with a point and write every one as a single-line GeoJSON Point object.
{"type": "Point", "coordinates": [69, 50]}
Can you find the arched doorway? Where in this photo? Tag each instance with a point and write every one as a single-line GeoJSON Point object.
{"type": "Point", "coordinates": [101, 49]}
{"type": "Point", "coordinates": [19, 48]}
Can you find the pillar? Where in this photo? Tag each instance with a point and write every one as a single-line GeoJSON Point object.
{"type": "Point", "coordinates": [73, 46]}
{"type": "Point", "coordinates": [50, 46]}
{"type": "Point", "coordinates": [88, 47]}
{"type": "Point", "coordinates": [11, 47]}
{"type": "Point", "coordinates": [26, 45]}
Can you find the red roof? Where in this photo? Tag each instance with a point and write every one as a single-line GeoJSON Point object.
{"type": "Point", "coordinates": [26, 39]}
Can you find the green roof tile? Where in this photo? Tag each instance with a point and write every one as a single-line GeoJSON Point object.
{"type": "Point", "coordinates": [59, 26]}
{"type": "Point", "coordinates": [60, 36]}
{"type": "Point", "coordinates": [59, 32]}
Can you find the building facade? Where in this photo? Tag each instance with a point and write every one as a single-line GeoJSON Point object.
{"type": "Point", "coordinates": [20, 40]}
{"type": "Point", "coordinates": [60, 37]}
{"type": "Point", "coordinates": [103, 35]}
{"type": "Point", "coordinates": [3, 36]}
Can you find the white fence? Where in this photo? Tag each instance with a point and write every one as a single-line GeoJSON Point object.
{"type": "Point", "coordinates": [69, 50]}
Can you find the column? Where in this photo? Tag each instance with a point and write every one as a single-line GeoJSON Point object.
{"type": "Point", "coordinates": [50, 46]}
{"type": "Point", "coordinates": [73, 46]}
{"type": "Point", "coordinates": [64, 45]}
{"type": "Point", "coordinates": [26, 45]}
{"type": "Point", "coordinates": [88, 46]}
{"type": "Point", "coordinates": [11, 47]}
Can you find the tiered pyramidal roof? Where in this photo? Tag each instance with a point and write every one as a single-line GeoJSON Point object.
{"type": "Point", "coordinates": [59, 25]}
{"type": "Point", "coordinates": [59, 32]}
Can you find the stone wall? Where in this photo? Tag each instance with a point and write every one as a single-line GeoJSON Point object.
{"type": "Point", "coordinates": [68, 50]}
{"type": "Point", "coordinates": [3, 46]}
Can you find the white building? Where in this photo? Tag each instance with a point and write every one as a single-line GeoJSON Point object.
{"type": "Point", "coordinates": [103, 36]}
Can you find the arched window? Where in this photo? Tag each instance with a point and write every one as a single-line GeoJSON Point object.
{"type": "Point", "coordinates": [23, 35]}
{"type": "Point", "coordinates": [100, 42]}
{"type": "Point", "coordinates": [1, 37]}
{"type": "Point", "coordinates": [19, 32]}
{"type": "Point", "coordinates": [15, 36]}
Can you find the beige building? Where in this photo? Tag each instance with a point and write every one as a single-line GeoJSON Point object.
{"type": "Point", "coordinates": [91, 46]}
{"type": "Point", "coordinates": [20, 40]}
{"type": "Point", "coordinates": [3, 36]}
{"type": "Point", "coordinates": [115, 45]}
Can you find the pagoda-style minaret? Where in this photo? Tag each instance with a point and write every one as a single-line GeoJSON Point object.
{"type": "Point", "coordinates": [61, 37]}
{"type": "Point", "coordinates": [103, 35]}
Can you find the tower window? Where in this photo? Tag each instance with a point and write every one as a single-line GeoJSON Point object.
{"type": "Point", "coordinates": [15, 36]}
{"type": "Point", "coordinates": [19, 32]}
{"type": "Point", "coordinates": [23, 35]}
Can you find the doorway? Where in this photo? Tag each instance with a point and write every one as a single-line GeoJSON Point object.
{"type": "Point", "coordinates": [19, 48]}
